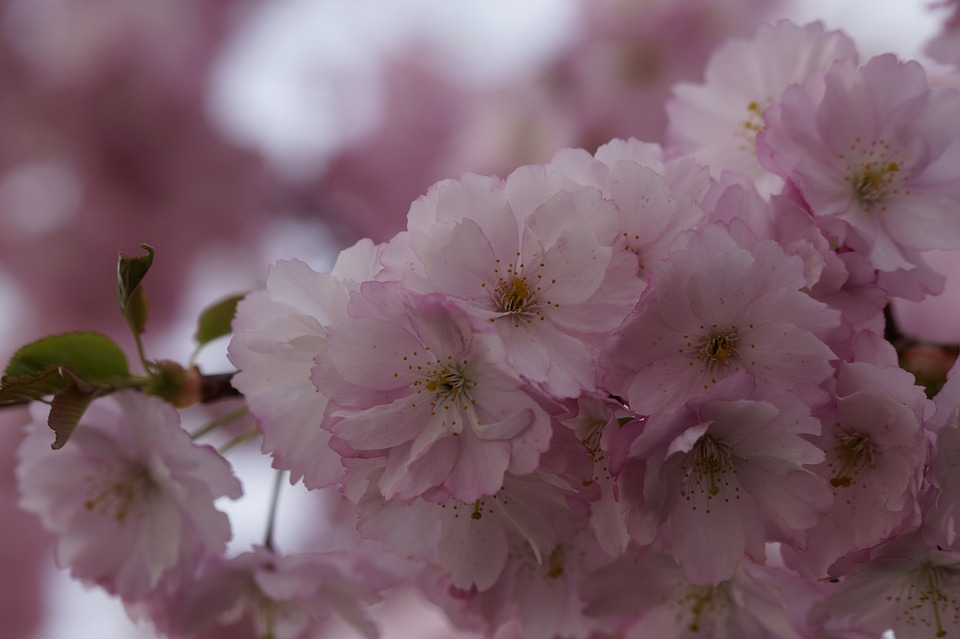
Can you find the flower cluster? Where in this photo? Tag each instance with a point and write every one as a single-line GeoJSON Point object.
{"type": "Point", "coordinates": [645, 357]}
{"type": "Point", "coordinates": [639, 392]}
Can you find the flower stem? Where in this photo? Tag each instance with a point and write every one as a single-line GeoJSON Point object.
{"type": "Point", "coordinates": [272, 517]}
{"type": "Point", "coordinates": [245, 436]}
{"type": "Point", "coordinates": [226, 418]}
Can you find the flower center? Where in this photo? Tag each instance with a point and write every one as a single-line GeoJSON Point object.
{"type": "Point", "coordinates": [446, 383]}
{"type": "Point", "coordinates": [706, 604]}
{"type": "Point", "coordinates": [875, 173]}
{"type": "Point", "coordinates": [871, 185]}
{"type": "Point", "coordinates": [513, 296]}
{"type": "Point", "coordinates": [118, 494]}
{"type": "Point", "coordinates": [751, 125]}
{"type": "Point", "coordinates": [556, 562]}
{"type": "Point", "coordinates": [719, 349]}
{"type": "Point", "coordinates": [855, 453]}
{"type": "Point", "coordinates": [928, 586]}
{"type": "Point", "coordinates": [705, 470]}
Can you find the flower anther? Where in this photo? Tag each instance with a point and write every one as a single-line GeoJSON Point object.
{"type": "Point", "coordinates": [748, 128]}
{"type": "Point", "coordinates": [855, 454]}
{"type": "Point", "coordinates": [927, 586]}
{"type": "Point", "coordinates": [117, 495]}
{"type": "Point", "coordinates": [706, 467]}
{"type": "Point", "coordinates": [718, 350]}
{"type": "Point", "coordinates": [448, 382]}
{"type": "Point", "coordinates": [874, 172]}
{"type": "Point", "coordinates": [515, 297]}
{"type": "Point", "coordinates": [705, 603]}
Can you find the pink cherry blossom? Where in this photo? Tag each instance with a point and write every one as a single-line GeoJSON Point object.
{"type": "Point", "coordinates": [609, 396]}
{"type": "Point", "coordinates": [281, 596]}
{"type": "Point", "coordinates": [932, 319]}
{"type": "Point", "coordinates": [717, 122]}
{"type": "Point", "coordinates": [735, 201]}
{"type": "Point", "coordinates": [614, 78]}
{"type": "Point", "coordinates": [137, 513]}
{"type": "Point", "coordinates": [596, 425]}
{"type": "Point", "coordinates": [471, 543]}
{"type": "Point", "coordinates": [942, 503]}
{"type": "Point", "coordinates": [458, 418]}
{"type": "Point", "coordinates": [719, 477]}
{"type": "Point", "coordinates": [535, 258]}
{"type": "Point", "coordinates": [902, 586]}
{"type": "Point", "coordinates": [658, 196]}
{"type": "Point", "coordinates": [278, 332]}
{"type": "Point", "coordinates": [542, 592]}
{"type": "Point", "coordinates": [942, 521]}
{"type": "Point", "coordinates": [876, 456]}
{"type": "Point", "coordinates": [530, 515]}
{"type": "Point", "coordinates": [875, 147]}
{"type": "Point", "coordinates": [652, 597]}
{"type": "Point", "coordinates": [715, 308]}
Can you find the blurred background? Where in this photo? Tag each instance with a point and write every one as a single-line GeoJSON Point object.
{"type": "Point", "coordinates": [232, 133]}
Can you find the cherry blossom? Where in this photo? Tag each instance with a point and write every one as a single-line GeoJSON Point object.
{"type": "Point", "coordinates": [651, 596]}
{"type": "Point", "coordinates": [901, 586]}
{"type": "Point", "coordinates": [876, 147]}
{"type": "Point", "coordinates": [658, 197]}
{"type": "Point", "coordinates": [459, 419]}
{"type": "Point", "coordinates": [876, 456]}
{"type": "Point", "coordinates": [616, 393]}
{"type": "Point", "coordinates": [713, 309]}
{"type": "Point", "coordinates": [942, 500]}
{"type": "Point", "coordinates": [597, 426]}
{"type": "Point", "coordinates": [614, 79]}
{"type": "Point", "coordinates": [717, 122]}
{"type": "Point", "coordinates": [278, 332]}
{"type": "Point", "coordinates": [931, 319]}
{"type": "Point", "coordinates": [138, 514]}
{"type": "Point", "coordinates": [719, 477]}
{"type": "Point", "coordinates": [543, 592]}
{"type": "Point", "coordinates": [536, 261]}
{"type": "Point", "coordinates": [471, 543]}
{"type": "Point", "coordinates": [281, 596]}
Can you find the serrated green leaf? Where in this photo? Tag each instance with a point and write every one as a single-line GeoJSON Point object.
{"type": "Point", "coordinates": [215, 320]}
{"type": "Point", "coordinates": [48, 382]}
{"type": "Point", "coordinates": [91, 357]}
{"type": "Point", "coordinates": [133, 301]}
{"type": "Point", "coordinates": [66, 410]}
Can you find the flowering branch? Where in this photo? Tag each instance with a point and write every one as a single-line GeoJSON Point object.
{"type": "Point", "coordinates": [650, 390]}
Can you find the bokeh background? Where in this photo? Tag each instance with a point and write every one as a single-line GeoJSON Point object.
{"type": "Point", "coordinates": [232, 133]}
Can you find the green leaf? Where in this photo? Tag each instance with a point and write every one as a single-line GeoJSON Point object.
{"type": "Point", "coordinates": [91, 357]}
{"type": "Point", "coordinates": [133, 301]}
{"type": "Point", "coordinates": [137, 310]}
{"type": "Point", "coordinates": [623, 421]}
{"type": "Point", "coordinates": [18, 391]}
{"type": "Point", "coordinates": [66, 410]}
{"type": "Point", "coordinates": [215, 320]}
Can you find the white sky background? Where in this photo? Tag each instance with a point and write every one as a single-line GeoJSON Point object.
{"type": "Point", "coordinates": [266, 98]}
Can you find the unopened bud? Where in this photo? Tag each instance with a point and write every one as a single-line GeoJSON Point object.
{"type": "Point", "coordinates": [175, 384]}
